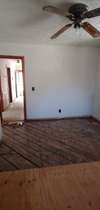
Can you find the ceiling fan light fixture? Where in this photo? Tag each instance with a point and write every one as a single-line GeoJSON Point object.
{"type": "Point", "coordinates": [76, 14]}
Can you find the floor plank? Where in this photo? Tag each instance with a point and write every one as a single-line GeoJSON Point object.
{"type": "Point", "coordinates": [75, 187]}
{"type": "Point", "coordinates": [5, 165]}
{"type": "Point", "coordinates": [18, 161]}
{"type": "Point", "coordinates": [51, 143]}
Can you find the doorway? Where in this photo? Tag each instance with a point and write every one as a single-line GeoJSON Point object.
{"type": "Point", "coordinates": [12, 88]}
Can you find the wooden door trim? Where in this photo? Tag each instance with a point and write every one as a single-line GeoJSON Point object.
{"type": "Point", "coordinates": [22, 58]}
{"type": "Point", "coordinates": [1, 101]}
{"type": "Point", "coordinates": [9, 84]}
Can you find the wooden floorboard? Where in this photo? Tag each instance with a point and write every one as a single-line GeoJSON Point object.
{"type": "Point", "coordinates": [75, 187]}
{"type": "Point", "coordinates": [24, 153]}
{"type": "Point", "coordinates": [18, 161]}
{"type": "Point", "coordinates": [4, 149]}
{"type": "Point", "coordinates": [5, 165]}
{"type": "Point", "coordinates": [50, 143]}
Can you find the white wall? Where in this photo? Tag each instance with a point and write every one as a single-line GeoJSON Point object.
{"type": "Point", "coordinates": [64, 78]}
{"type": "Point", "coordinates": [96, 112]}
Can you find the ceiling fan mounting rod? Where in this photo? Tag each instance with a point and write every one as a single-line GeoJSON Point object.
{"type": "Point", "coordinates": [77, 23]}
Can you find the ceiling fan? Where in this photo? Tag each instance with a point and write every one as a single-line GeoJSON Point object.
{"type": "Point", "coordinates": [76, 14]}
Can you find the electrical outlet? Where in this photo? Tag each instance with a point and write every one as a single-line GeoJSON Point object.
{"type": "Point", "coordinates": [59, 110]}
{"type": "Point", "coordinates": [33, 88]}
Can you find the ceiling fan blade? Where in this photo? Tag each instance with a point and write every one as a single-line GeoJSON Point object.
{"type": "Point", "coordinates": [91, 29]}
{"type": "Point", "coordinates": [55, 10]}
{"type": "Point", "coordinates": [92, 13]}
{"type": "Point", "coordinates": [61, 31]}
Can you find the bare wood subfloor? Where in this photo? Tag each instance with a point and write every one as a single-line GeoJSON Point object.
{"type": "Point", "coordinates": [50, 143]}
{"type": "Point", "coordinates": [75, 187]}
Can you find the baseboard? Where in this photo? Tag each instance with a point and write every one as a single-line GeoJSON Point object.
{"type": "Point", "coordinates": [95, 119]}
{"type": "Point", "coordinates": [57, 118]}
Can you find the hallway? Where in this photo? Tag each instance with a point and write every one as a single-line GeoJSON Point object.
{"type": "Point", "coordinates": [15, 111]}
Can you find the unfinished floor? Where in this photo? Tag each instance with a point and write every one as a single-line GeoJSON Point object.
{"type": "Point", "coordinates": [68, 187]}
{"type": "Point", "coordinates": [50, 143]}
{"type": "Point", "coordinates": [15, 111]}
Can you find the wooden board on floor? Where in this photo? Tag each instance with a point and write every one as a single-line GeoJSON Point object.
{"type": "Point", "coordinates": [50, 143]}
{"type": "Point", "coordinates": [75, 187]}
{"type": "Point", "coordinates": [5, 164]}
{"type": "Point", "coordinates": [18, 161]}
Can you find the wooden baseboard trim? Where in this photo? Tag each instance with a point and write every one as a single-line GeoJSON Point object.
{"type": "Point", "coordinates": [95, 119]}
{"type": "Point", "coordinates": [63, 118]}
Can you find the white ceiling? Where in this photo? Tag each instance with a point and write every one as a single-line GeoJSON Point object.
{"type": "Point", "coordinates": [24, 21]}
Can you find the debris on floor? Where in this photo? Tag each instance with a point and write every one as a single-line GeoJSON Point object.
{"type": "Point", "coordinates": [17, 123]}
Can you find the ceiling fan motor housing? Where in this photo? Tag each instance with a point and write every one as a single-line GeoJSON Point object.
{"type": "Point", "coordinates": [78, 9]}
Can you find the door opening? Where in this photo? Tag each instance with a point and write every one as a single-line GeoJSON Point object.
{"type": "Point", "coordinates": [12, 94]}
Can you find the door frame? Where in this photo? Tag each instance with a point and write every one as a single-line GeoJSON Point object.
{"type": "Point", "coordinates": [1, 101]}
{"type": "Point", "coordinates": [22, 58]}
{"type": "Point", "coordinates": [9, 84]}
